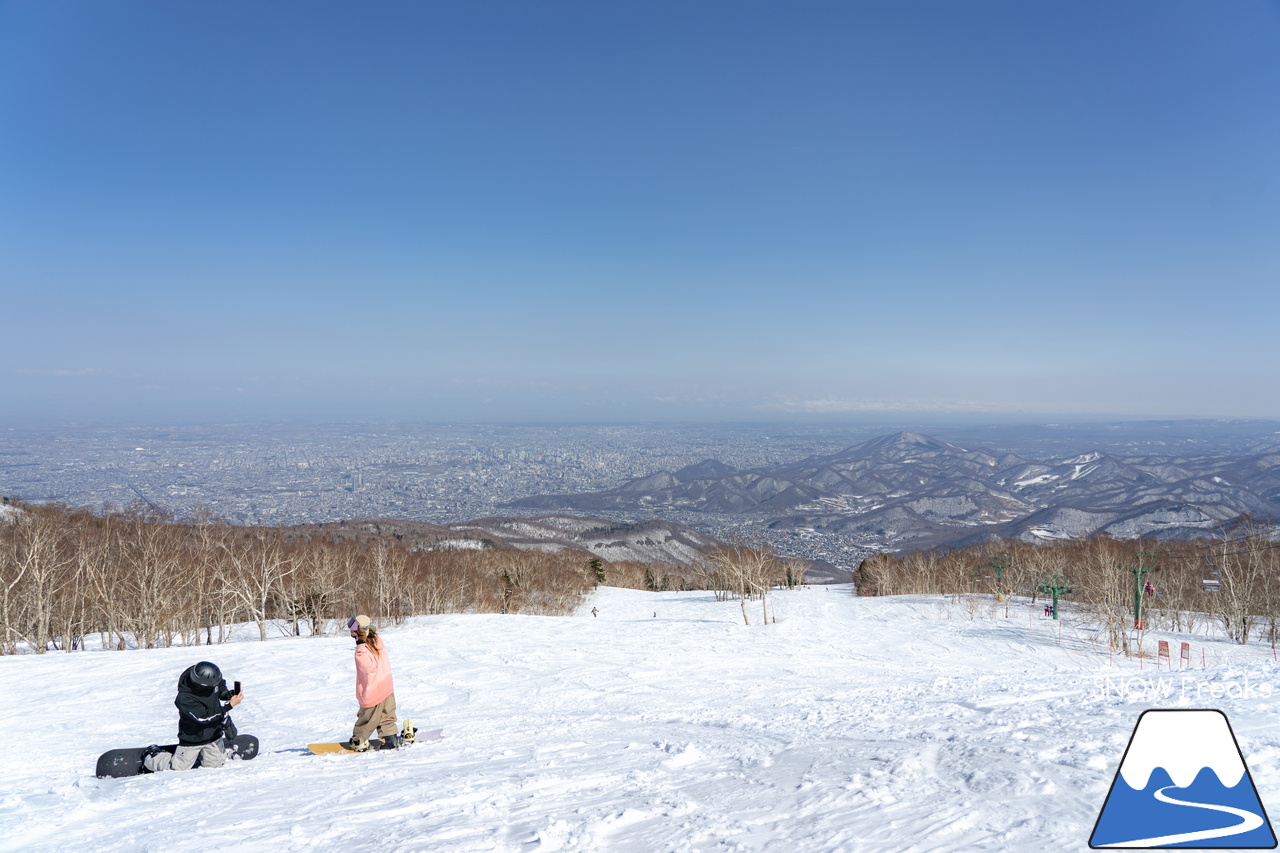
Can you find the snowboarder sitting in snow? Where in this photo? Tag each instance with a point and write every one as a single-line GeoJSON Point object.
{"type": "Point", "coordinates": [204, 706]}
{"type": "Point", "coordinates": [374, 689]}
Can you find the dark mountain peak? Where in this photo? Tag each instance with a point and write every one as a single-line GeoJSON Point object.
{"type": "Point", "coordinates": [910, 440]}
{"type": "Point", "coordinates": [707, 469]}
{"type": "Point", "coordinates": [901, 443]}
{"type": "Point", "coordinates": [651, 483]}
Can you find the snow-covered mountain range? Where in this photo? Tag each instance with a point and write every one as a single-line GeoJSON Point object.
{"type": "Point", "coordinates": [909, 489]}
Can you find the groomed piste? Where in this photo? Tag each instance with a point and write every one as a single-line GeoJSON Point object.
{"type": "Point", "coordinates": [661, 724]}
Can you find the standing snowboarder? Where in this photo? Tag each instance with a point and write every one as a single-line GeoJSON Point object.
{"type": "Point", "coordinates": [204, 705]}
{"type": "Point", "coordinates": [374, 690]}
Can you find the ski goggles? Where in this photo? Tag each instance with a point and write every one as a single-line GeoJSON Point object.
{"type": "Point", "coordinates": [353, 625]}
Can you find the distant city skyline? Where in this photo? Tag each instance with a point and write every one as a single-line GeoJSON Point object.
{"type": "Point", "coordinates": [826, 493]}
{"type": "Point", "coordinates": [578, 212]}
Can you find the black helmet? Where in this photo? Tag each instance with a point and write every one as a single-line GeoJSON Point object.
{"type": "Point", "coordinates": [205, 674]}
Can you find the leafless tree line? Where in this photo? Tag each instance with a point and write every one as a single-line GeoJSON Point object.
{"type": "Point", "coordinates": [747, 573]}
{"type": "Point", "coordinates": [1231, 580]}
{"type": "Point", "coordinates": [136, 579]}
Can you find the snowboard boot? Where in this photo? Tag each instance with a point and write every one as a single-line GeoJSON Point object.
{"type": "Point", "coordinates": [391, 742]}
{"type": "Point", "coordinates": [149, 754]}
{"type": "Point", "coordinates": [409, 732]}
{"type": "Point", "coordinates": [358, 745]}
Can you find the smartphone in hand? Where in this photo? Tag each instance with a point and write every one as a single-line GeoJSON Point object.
{"type": "Point", "coordinates": [237, 690]}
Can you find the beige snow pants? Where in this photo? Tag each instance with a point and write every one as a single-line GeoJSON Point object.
{"type": "Point", "coordinates": [381, 717]}
{"type": "Point", "coordinates": [185, 757]}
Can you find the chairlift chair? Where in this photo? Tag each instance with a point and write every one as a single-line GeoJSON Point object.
{"type": "Point", "coordinates": [1210, 577]}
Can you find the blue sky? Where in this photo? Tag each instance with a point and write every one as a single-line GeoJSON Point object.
{"type": "Point", "coordinates": [649, 211]}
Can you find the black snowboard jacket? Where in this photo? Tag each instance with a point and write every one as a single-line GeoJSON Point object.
{"type": "Point", "coordinates": [202, 711]}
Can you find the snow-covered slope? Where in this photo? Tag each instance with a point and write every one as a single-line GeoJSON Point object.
{"type": "Point", "coordinates": [662, 724]}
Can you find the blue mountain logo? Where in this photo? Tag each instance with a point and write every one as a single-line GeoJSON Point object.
{"type": "Point", "coordinates": [1183, 783]}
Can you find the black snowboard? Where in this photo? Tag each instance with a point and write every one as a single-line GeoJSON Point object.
{"type": "Point", "coordinates": [128, 762]}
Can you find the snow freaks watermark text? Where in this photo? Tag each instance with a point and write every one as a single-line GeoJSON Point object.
{"type": "Point", "coordinates": [1149, 688]}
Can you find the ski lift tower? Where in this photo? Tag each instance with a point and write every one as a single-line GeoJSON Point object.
{"type": "Point", "coordinates": [999, 562]}
{"type": "Point", "coordinates": [1056, 585]}
{"type": "Point", "coordinates": [1140, 571]}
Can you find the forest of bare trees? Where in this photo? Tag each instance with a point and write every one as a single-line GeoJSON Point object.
{"type": "Point", "coordinates": [134, 579]}
{"type": "Point", "coordinates": [748, 572]}
{"type": "Point", "coordinates": [1231, 581]}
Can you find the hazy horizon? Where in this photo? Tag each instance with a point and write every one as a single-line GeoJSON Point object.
{"type": "Point", "coordinates": [569, 212]}
{"type": "Point", "coordinates": [904, 423]}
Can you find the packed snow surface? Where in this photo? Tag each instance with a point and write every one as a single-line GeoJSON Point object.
{"type": "Point", "coordinates": [662, 724]}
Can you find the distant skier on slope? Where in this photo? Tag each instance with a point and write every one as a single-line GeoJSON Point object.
{"type": "Point", "coordinates": [375, 691]}
{"type": "Point", "coordinates": [204, 705]}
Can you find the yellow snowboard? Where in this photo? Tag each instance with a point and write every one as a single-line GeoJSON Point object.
{"type": "Point", "coordinates": [422, 736]}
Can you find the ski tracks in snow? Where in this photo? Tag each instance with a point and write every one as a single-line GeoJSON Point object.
{"type": "Point", "coordinates": [849, 724]}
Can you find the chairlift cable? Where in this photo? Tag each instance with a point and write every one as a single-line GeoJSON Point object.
{"type": "Point", "coordinates": [1272, 546]}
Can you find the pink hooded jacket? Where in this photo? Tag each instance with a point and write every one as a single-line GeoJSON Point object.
{"type": "Point", "coordinates": [373, 674]}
